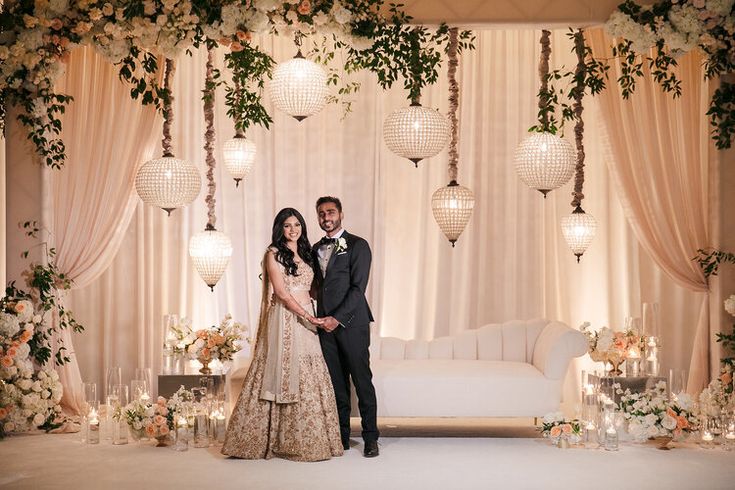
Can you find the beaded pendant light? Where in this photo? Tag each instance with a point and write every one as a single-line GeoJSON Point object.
{"type": "Point", "coordinates": [543, 160]}
{"type": "Point", "coordinates": [452, 204]}
{"type": "Point", "coordinates": [579, 227]}
{"type": "Point", "coordinates": [168, 182]}
{"type": "Point", "coordinates": [210, 250]}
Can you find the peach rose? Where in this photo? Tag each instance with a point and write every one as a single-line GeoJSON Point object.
{"type": "Point", "coordinates": [6, 361]}
{"type": "Point", "coordinates": [682, 422]}
{"type": "Point", "coordinates": [26, 335]}
{"type": "Point", "coordinates": [726, 378]}
{"type": "Point", "coordinates": [163, 430]}
{"type": "Point", "coordinates": [150, 430]}
{"type": "Point", "coordinates": [205, 352]}
{"type": "Point", "coordinates": [164, 411]}
{"type": "Point", "coordinates": [20, 308]}
{"type": "Point", "coordinates": [236, 47]}
{"type": "Point", "coordinates": [3, 413]}
{"type": "Point", "coordinates": [304, 7]}
{"type": "Point", "coordinates": [12, 352]}
{"type": "Point", "coordinates": [202, 334]}
{"type": "Point", "coordinates": [555, 431]}
{"type": "Point", "coordinates": [158, 420]}
{"type": "Point", "coordinates": [566, 428]}
{"type": "Point", "coordinates": [56, 24]}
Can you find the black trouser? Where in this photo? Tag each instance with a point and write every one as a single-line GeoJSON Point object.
{"type": "Point", "coordinates": [346, 354]}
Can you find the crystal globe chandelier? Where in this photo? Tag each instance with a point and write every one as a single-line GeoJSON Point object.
{"type": "Point", "coordinates": [238, 154]}
{"type": "Point", "coordinates": [416, 132]}
{"type": "Point", "coordinates": [452, 204]}
{"type": "Point", "coordinates": [579, 227]}
{"type": "Point", "coordinates": [210, 250]}
{"type": "Point", "coordinates": [299, 86]}
{"type": "Point", "coordinates": [168, 182]}
{"type": "Point", "coordinates": [543, 160]}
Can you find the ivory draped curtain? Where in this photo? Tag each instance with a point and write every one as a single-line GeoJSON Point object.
{"type": "Point", "coordinates": [662, 164]}
{"type": "Point", "coordinates": [92, 198]}
{"type": "Point", "coordinates": [511, 262]}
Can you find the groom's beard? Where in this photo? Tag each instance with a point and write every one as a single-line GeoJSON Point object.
{"type": "Point", "coordinates": [335, 225]}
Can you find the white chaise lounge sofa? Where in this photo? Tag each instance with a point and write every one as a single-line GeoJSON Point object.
{"type": "Point", "coordinates": [512, 369]}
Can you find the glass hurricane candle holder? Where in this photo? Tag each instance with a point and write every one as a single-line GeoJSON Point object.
{"type": "Point", "coordinates": [729, 434]}
{"type": "Point", "coordinates": [93, 423]}
{"type": "Point", "coordinates": [217, 422]}
{"type": "Point", "coordinates": [610, 429]}
{"type": "Point", "coordinates": [182, 433]}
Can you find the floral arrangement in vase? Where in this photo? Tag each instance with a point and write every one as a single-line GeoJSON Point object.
{"type": "Point", "coordinates": [561, 432]}
{"type": "Point", "coordinates": [651, 414]}
{"type": "Point", "coordinates": [717, 397]}
{"type": "Point", "coordinates": [218, 342]}
{"type": "Point", "coordinates": [151, 420]}
{"type": "Point", "coordinates": [609, 346]}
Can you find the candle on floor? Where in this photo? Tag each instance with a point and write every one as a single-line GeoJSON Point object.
{"type": "Point", "coordinates": [93, 428]}
{"type": "Point", "coordinates": [182, 434]}
{"type": "Point", "coordinates": [707, 436]}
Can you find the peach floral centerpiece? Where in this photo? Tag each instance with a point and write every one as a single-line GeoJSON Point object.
{"type": "Point", "coordinates": [561, 432]}
{"type": "Point", "coordinates": [220, 342]}
{"type": "Point", "coordinates": [151, 420]}
{"type": "Point", "coordinates": [610, 346]}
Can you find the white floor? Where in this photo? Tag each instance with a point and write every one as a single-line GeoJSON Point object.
{"type": "Point", "coordinates": [438, 459]}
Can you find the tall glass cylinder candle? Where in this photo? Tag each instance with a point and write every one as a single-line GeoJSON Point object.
{"type": "Point", "coordinates": [93, 423]}
{"type": "Point", "coordinates": [182, 433]}
{"type": "Point", "coordinates": [610, 430]}
{"type": "Point", "coordinates": [201, 429]}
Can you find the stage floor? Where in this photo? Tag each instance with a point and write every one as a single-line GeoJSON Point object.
{"type": "Point", "coordinates": [440, 454]}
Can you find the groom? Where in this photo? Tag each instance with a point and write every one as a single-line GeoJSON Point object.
{"type": "Point", "coordinates": [342, 274]}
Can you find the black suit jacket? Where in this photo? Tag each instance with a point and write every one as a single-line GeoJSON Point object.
{"type": "Point", "coordinates": [341, 293]}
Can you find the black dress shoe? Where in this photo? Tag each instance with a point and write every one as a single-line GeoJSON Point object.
{"type": "Point", "coordinates": [371, 449]}
{"type": "Point", "coordinates": [346, 445]}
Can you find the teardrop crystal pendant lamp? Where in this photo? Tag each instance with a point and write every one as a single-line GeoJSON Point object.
{"type": "Point", "coordinates": [299, 87]}
{"type": "Point", "coordinates": [210, 250]}
{"type": "Point", "coordinates": [544, 161]}
{"type": "Point", "coordinates": [416, 132]}
{"type": "Point", "coordinates": [239, 156]}
{"type": "Point", "coordinates": [452, 207]}
{"type": "Point", "coordinates": [578, 229]}
{"type": "Point", "coordinates": [168, 183]}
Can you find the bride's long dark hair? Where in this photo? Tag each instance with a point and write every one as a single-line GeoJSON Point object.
{"type": "Point", "coordinates": [284, 255]}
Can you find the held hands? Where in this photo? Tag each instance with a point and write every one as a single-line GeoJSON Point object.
{"type": "Point", "coordinates": [329, 323]}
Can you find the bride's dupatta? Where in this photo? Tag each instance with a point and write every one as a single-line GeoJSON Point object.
{"type": "Point", "coordinates": [281, 374]}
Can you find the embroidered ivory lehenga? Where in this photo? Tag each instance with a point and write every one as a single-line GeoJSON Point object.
{"type": "Point", "coordinates": [286, 408]}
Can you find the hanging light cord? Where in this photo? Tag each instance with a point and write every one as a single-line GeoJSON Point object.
{"type": "Point", "coordinates": [578, 92]}
{"type": "Point", "coordinates": [543, 72]}
{"type": "Point", "coordinates": [168, 112]}
{"type": "Point", "coordinates": [209, 88]}
{"type": "Point", "coordinates": [453, 105]}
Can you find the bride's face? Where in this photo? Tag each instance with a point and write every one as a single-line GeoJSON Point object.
{"type": "Point", "coordinates": [292, 229]}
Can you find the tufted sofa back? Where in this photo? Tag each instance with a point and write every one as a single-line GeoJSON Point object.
{"type": "Point", "coordinates": [509, 341]}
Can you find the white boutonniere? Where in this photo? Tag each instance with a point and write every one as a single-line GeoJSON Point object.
{"type": "Point", "coordinates": [340, 245]}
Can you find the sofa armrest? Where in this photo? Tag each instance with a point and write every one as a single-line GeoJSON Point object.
{"type": "Point", "coordinates": [556, 346]}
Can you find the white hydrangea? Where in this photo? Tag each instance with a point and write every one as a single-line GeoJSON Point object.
{"type": "Point", "coordinates": [9, 324]}
{"type": "Point", "coordinates": [730, 305]}
{"type": "Point", "coordinates": [259, 22]}
{"type": "Point", "coordinates": [266, 5]}
{"type": "Point", "coordinates": [720, 7]}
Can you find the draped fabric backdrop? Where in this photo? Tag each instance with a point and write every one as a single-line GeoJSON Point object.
{"type": "Point", "coordinates": [667, 199]}
{"type": "Point", "coordinates": [92, 197]}
{"type": "Point", "coordinates": [511, 262]}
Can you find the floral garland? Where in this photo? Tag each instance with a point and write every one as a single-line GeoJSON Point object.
{"type": "Point", "coordinates": [36, 38]}
{"type": "Point", "coordinates": [672, 28]}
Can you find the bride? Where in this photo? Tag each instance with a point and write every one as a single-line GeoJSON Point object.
{"type": "Point", "coordinates": [287, 407]}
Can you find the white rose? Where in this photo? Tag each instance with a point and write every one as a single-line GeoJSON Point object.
{"type": "Point", "coordinates": [730, 305]}
{"type": "Point", "coordinates": [39, 419]}
{"type": "Point", "coordinates": [258, 22]}
{"type": "Point", "coordinates": [668, 422]}
{"type": "Point", "coordinates": [137, 425]}
{"type": "Point", "coordinates": [9, 427]}
{"type": "Point", "coordinates": [652, 431]}
{"type": "Point", "coordinates": [25, 384]}
{"type": "Point", "coordinates": [341, 15]}
{"type": "Point", "coordinates": [150, 411]}
{"type": "Point", "coordinates": [292, 16]}
{"type": "Point", "coordinates": [265, 5]}
{"type": "Point", "coordinates": [36, 386]}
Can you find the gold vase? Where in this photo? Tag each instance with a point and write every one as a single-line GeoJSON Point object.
{"type": "Point", "coordinates": [662, 442]}
{"type": "Point", "coordinates": [205, 365]}
{"type": "Point", "coordinates": [161, 441]}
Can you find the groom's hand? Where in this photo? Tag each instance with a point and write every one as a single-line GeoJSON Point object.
{"type": "Point", "coordinates": [330, 323]}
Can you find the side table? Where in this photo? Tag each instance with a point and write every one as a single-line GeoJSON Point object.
{"type": "Point", "coordinates": [168, 384]}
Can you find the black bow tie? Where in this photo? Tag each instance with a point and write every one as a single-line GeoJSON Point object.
{"type": "Point", "coordinates": [327, 241]}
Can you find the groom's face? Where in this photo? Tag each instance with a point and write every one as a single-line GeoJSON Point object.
{"type": "Point", "coordinates": [330, 218]}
